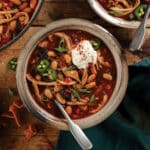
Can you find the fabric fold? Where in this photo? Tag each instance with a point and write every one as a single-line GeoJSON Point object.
{"type": "Point", "coordinates": [128, 128]}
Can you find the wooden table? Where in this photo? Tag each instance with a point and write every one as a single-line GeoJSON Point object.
{"type": "Point", "coordinates": [12, 137]}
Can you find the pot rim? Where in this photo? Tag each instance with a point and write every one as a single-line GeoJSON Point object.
{"type": "Point", "coordinates": [121, 66]}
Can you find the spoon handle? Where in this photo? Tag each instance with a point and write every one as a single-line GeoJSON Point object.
{"type": "Point", "coordinates": [80, 136]}
{"type": "Point", "coordinates": [76, 131]}
{"type": "Point", "coordinates": [139, 34]}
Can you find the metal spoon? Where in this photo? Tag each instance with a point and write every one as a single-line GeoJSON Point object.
{"type": "Point", "coordinates": [76, 131]}
{"type": "Point", "coordinates": [139, 34]}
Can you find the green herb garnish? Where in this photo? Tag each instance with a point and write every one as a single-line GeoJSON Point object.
{"type": "Point", "coordinates": [92, 99]}
{"type": "Point", "coordinates": [61, 47]}
{"type": "Point", "coordinates": [12, 92]}
{"type": "Point", "coordinates": [45, 99]}
{"type": "Point", "coordinates": [75, 93]}
{"type": "Point", "coordinates": [115, 12]}
{"type": "Point", "coordinates": [50, 74]}
{"type": "Point", "coordinates": [12, 64]}
{"type": "Point", "coordinates": [85, 91]}
{"type": "Point", "coordinates": [71, 68]}
{"type": "Point", "coordinates": [42, 65]}
{"type": "Point", "coordinates": [96, 44]}
{"type": "Point", "coordinates": [140, 11]}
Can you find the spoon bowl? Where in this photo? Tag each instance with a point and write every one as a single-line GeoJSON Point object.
{"type": "Point", "coordinates": [76, 131]}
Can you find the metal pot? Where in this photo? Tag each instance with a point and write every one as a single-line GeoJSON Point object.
{"type": "Point", "coordinates": [37, 10]}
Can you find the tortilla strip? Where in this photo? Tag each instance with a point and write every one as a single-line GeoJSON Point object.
{"type": "Point", "coordinates": [76, 103]}
{"type": "Point", "coordinates": [66, 83]}
{"type": "Point", "coordinates": [7, 115]}
{"type": "Point", "coordinates": [42, 83]}
{"type": "Point", "coordinates": [15, 113]}
{"type": "Point", "coordinates": [84, 76]}
{"type": "Point", "coordinates": [19, 14]}
{"type": "Point", "coordinates": [4, 12]}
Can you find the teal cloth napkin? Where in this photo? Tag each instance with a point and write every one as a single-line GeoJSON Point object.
{"type": "Point", "coordinates": [128, 128]}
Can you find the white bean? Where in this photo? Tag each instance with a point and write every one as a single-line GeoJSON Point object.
{"type": "Point", "coordinates": [107, 76]}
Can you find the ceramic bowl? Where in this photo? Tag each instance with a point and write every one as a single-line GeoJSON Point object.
{"type": "Point", "coordinates": [121, 67]}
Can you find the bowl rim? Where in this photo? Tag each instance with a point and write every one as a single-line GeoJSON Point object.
{"type": "Point", "coordinates": [36, 12]}
{"type": "Point", "coordinates": [42, 114]}
{"type": "Point", "coordinates": [100, 11]}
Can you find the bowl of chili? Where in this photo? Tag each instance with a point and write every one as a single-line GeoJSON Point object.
{"type": "Point", "coordinates": [127, 14]}
{"type": "Point", "coordinates": [15, 19]}
{"type": "Point", "coordinates": [78, 63]}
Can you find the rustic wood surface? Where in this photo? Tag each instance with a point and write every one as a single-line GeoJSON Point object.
{"type": "Point", "coordinates": [12, 137]}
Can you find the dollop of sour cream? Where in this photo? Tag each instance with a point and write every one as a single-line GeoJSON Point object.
{"type": "Point", "coordinates": [83, 54]}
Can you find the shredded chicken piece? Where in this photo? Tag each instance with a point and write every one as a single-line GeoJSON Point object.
{"type": "Point", "coordinates": [66, 83]}
{"type": "Point", "coordinates": [7, 115]}
{"type": "Point", "coordinates": [76, 103]}
{"type": "Point", "coordinates": [17, 103]}
{"type": "Point", "coordinates": [36, 91]}
{"type": "Point", "coordinates": [84, 76]}
{"type": "Point", "coordinates": [13, 112]}
{"type": "Point", "coordinates": [30, 131]}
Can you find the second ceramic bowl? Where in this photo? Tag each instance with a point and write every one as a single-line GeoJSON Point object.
{"type": "Point", "coordinates": [95, 5]}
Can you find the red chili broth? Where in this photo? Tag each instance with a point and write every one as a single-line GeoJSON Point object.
{"type": "Point", "coordinates": [101, 88]}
